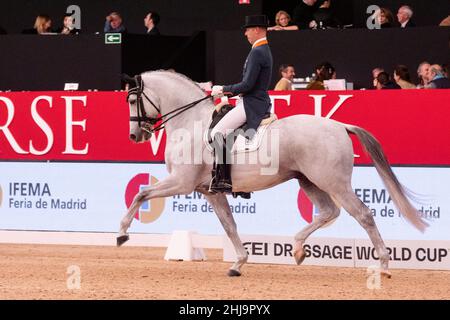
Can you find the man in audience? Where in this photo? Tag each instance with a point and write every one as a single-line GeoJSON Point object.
{"type": "Point", "coordinates": [114, 23]}
{"type": "Point", "coordinates": [68, 26]}
{"type": "Point", "coordinates": [437, 79]}
{"type": "Point", "coordinates": [151, 21]}
{"type": "Point", "coordinates": [304, 14]}
{"type": "Point", "coordinates": [287, 73]}
{"type": "Point", "coordinates": [422, 74]}
{"type": "Point", "coordinates": [404, 16]}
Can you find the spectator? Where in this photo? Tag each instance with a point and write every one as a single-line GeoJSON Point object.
{"type": "Point", "coordinates": [445, 22]}
{"type": "Point", "coordinates": [375, 73]}
{"type": "Point", "coordinates": [114, 23]}
{"type": "Point", "coordinates": [402, 77]}
{"type": "Point", "coordinates": [324, 16]}
{"type": "Point", "coordinates": [404, 16]}
{"type": "Point", "coordinates": [304, 14]}
{"type": "Point", "coordinates": [68, 26]}
{"type": "Point", "coordinates": [324, 71]}
{"type": "Point", "coordinates": [42, 25]}
{"type": "Point", "coordinates": [437, 79]}
{"type": "Point", "coordinates": [445, 70]}
{"type": "Point", "coordinates": [287, 73]}
{"type": "Point", "coordinates": [282, 22]}
{"type": "Point", "coordinates": [385, 18]}
{"type": "Point", "coordinates": [383, 82]}
{"type": "Point", "coordinates": [422, 74]}
{"type": "Point", "coordinates": [151, 22]}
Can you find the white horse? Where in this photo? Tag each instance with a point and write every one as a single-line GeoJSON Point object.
{"type": "Point", "coordinates": [316, 151]}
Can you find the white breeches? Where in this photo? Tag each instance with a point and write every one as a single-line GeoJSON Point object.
{"type": "Point", "coordinates": [231, 121]}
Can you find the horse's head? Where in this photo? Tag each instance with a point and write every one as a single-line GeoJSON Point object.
{"type": "Point", "coordinates": [143, 111]}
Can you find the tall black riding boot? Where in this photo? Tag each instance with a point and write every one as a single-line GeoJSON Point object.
{"type": "Point", "coordinates": [221, 181]}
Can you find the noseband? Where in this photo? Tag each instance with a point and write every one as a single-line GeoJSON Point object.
{"type": "Point", "coordinates": [147, 122]}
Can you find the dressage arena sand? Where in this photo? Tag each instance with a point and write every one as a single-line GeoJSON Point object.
{"type": "Point", "coordinates": [39, 272]}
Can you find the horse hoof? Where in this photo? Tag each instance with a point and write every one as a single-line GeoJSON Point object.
{"type": "Point", "coordinates": [386, 274]}
{"type": "Point", "coordinates": [299, 256]}
{"type": "Point", "coordinates": [233, 273]}
{"type": "Point", "coordinates": [122, 239]}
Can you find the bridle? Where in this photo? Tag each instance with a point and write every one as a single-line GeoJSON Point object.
{"type": "Point", "coordinates": [147, 122]}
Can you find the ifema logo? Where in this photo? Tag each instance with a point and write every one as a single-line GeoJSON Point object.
{"type": "Point", "coordinates": [308, 211]}
{"type": "Point", "coordinates": [150, 210]}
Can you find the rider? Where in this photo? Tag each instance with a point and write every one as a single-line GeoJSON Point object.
{"type": "Point", "coordinates": [254, 102]}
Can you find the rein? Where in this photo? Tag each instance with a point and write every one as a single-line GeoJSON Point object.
{"type": "Point", "coordinates": [142, 115]}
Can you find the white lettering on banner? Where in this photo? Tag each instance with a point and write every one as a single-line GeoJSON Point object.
{"type": "Point", "coordinates": [286, 98]}
{"type": "Point", "coordinates": [10, 111]}
{"type": "Point", "coordinates": [318, 104]}
{"type": "Point", "coordinates": [42, 124]}
{"type": "Point", "coordinates": [155, 142]}
{"type": "Point", "coordinates": [70, 123]}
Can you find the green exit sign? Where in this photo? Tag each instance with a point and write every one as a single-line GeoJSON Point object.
{"type": "Point", "coordinates": [113, 38]}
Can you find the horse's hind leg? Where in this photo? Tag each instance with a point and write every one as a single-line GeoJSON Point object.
{"type": "Point", "coordinates": [328, 211]}
{"type": "Point", "coordinates": [353, 205]}
{"type": "Point", "coordinates": [222, 209]}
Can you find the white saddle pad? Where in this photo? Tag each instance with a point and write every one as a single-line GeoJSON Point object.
{"type": "Point", "coordinates": [242, 144]}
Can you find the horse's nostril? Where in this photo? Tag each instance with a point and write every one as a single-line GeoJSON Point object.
{"type": "Point", "coordinates": [133, 137]}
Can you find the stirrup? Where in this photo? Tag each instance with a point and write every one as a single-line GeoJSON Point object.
{"type": "Point", "coordinates": [221, 186]}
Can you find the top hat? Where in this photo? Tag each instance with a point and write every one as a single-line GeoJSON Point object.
{"type": "Point", "coordinates": [256, 21]}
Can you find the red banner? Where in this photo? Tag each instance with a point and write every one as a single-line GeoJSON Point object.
{"type": "Point", "coordinates": [411, 125]}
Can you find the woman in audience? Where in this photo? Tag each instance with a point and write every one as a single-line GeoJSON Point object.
{"type": "Point", "coordinates": [324, 71]}
{"type": "Point", "coordinates": [282, 22]}
{"type": "Point", "coordinates": [42, 25]}
{"type": "Point", "coordinates": [385, 18]}
{"type": "Point", "coordinates": [402, 77]}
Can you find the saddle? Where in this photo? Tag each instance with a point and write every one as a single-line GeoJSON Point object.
{"type": "Point", "coordinates": [241, 142]}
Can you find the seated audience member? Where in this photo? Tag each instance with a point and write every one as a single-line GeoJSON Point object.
{"type": "Point", "coordinates": [42, 25]}
{"type": "Point", "coordinates": [68, 26]}
{"type": "Point", "coordinates": [384, 82]}
{"type": "Point", "coordinates": [422, 74]}
{"type": "Point", "coordinates": [114, 23]}
{"type": "Point", "coordinates": [404, 16]}
{"type": "Point", "coordinates": [324, 16]}
{"type": "Point", "coordinates": [287, 73]}
{"type": "Point", "coordinates": [402, 77]}
{"type": "Point", "coordinates": [385, 18]}
{"type": "Point", "coordinates": [304, 14]}
{"type": "Point", "coordinates": [282, 22]}
{"type": "Point", "coordinates": [445, 22]}
{"type": "Point", "coordinates": [324, 71]}
{"type": "Point", "coordinates": [445, 70]}
{"type": "Point", "coordinates": [151, 22]}
{"type": "Point", "coordinates": [375, 73]}
{"type": "Point", "coordinates": [437, 79]}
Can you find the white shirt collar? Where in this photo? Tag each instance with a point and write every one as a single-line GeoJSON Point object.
{"type": "Point", "coordinates": [258, 41]}
{"type": "Point", "coordinates": [404, 23]}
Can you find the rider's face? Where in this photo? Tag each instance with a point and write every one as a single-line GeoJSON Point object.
{"type": "Point", "coordinates": [252, 34]}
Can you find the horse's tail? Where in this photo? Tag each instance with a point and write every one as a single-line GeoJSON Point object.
{"type": "Point", "coordinates": [394, 187]}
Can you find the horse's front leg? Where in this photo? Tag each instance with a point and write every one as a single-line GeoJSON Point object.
{"type": "Point", "coordinates": [165, 188]}
{"type": "Point", "coordinates": [222, 209]}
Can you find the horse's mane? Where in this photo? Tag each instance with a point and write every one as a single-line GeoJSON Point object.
{"type": "Point", "coordinates": [174, 74]}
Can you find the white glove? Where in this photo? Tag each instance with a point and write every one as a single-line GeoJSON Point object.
{"type": "Point", "coordinates": [217, 91]}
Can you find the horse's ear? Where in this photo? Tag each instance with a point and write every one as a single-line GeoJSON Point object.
{"type": "Point", "coordinates": [127, 79]}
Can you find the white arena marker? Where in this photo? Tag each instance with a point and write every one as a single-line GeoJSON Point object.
{"type": "Point", "coordinates": [181, 248]}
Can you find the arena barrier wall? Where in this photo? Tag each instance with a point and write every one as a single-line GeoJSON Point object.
{"type": "Point", "coordinates": [66, 165]}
